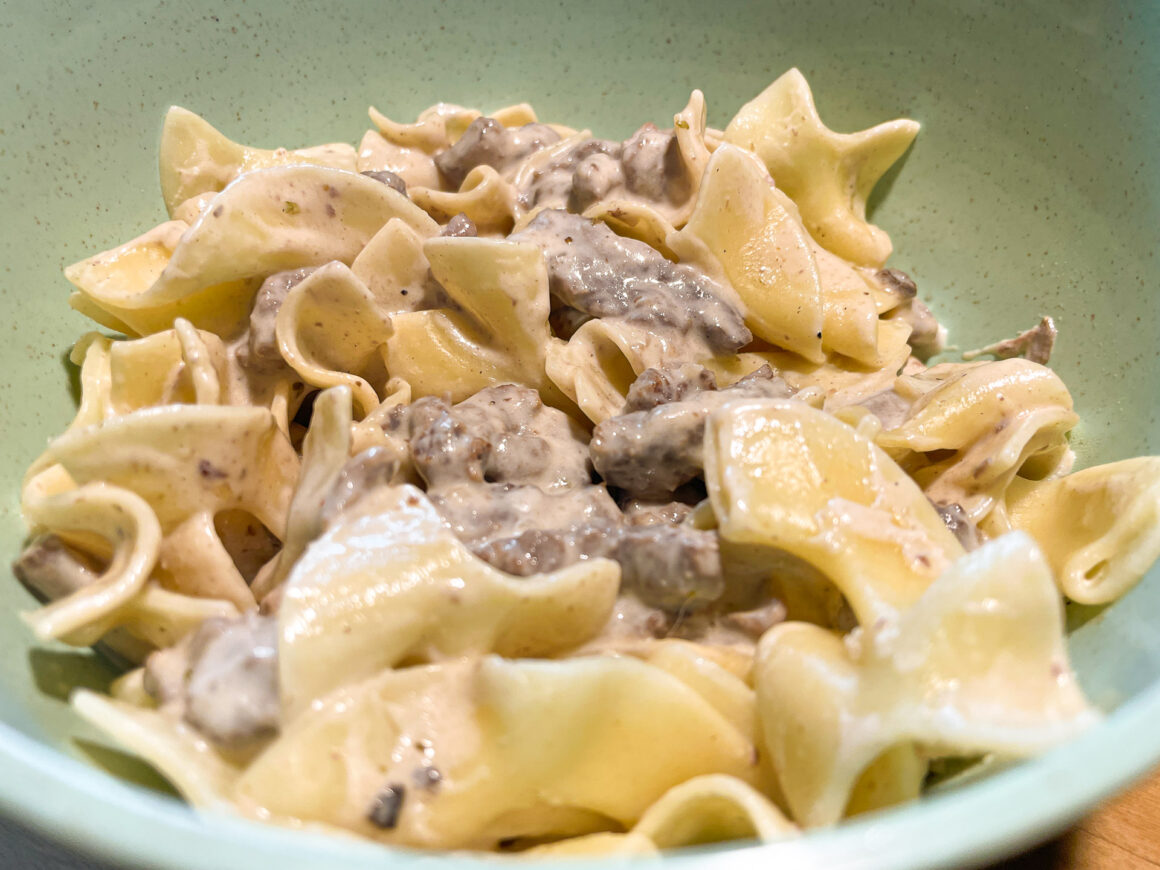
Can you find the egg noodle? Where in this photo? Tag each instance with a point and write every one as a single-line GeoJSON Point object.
{"type": "Point", "coordinates": [493, 486]}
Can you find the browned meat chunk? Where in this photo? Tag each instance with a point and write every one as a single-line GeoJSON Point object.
{"type": "Point", "coordinates": [595, 177]}
{"type": "Point", "coordinates": [640, 512]}
{"type": "Point", "coordinates": [487, 142]}
{"type": "Point", "coordinates": [460, 227]}
{"type": "Point", "coordinates": [670, 567]}
{"type": "Point", "coordinates": [601, 274]}
{"type": "Point", "coordinates": [651, 453]}
{"type": "Point", "coordinates": [360, 474]}
{"type": "Point", "coordinates": [260, 352]}
{"type": "Point", "coordinates": [898, 282]}
{"type": "Point", "coordinates": [647, 167]}
{"type": "Point", "coordinates": [1034, 344]}
{"type": "Point", "coordinates": [530, 441]}
{"type": "Point", "coordinates": [576, 178]}
{"type": "Point", "coordinates": [666, 566]}
{"type": "Point", "coordinates": [653, 167]}
{"type": "Point", "coordinates": [50, 569]}
{"type": "Point", "coordinates": [537, 551]}
{"type": "Point", "coordinates": [479, 513]}
{"type": "Point", "coordinates": [231, 694]}
{"type": "Point", "coordinates": [390, 179]}
{"type": "Point", "coordinates": [503, 434]}
{"type": "Point", "coordinates": [957, 521]}
{"type": "Point", "coordinates": [668, 383]}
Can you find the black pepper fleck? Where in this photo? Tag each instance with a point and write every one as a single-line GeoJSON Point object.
{"type": "Point", "coordinates": [385, 808]}
{"type": "Point", "coordinates": [210, 471]}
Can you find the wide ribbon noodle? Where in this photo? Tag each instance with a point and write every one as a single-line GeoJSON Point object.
{"type": "Point", "coordinates": [491, 485]}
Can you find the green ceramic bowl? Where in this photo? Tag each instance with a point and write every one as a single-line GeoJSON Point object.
{"type": "Point", "coordinates": [1033, 188]}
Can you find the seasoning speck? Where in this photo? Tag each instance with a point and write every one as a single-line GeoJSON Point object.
{"type": "Point", "coordinates": [209, 471]}
{"type": "Point", "coordinates": [385, 808]}
{"type": "Point", "coordinates": [427, 777]}
{"type": "Point", "coordinates": [290, 207]}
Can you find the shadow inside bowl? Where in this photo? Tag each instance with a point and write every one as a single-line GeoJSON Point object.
{"type": "Point", "coordinates": [58, 672]}
{"type": "Point", "coordinates": [125, 767]}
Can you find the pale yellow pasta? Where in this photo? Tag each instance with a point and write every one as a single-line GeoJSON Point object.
{"type": "Point", "coordinates": [711, 809]}
{"type": "Point", "coordinates": [394, 268]}
{"type": "Point", "coordinates": [133, 535]}
{"type": "Point", "coordinates": [1099, 528]}
{"type": "Point", "coordinates": [764, 250]}
{"type": "Point", "coordinates": [197, 159]}
{"type": "Point", "coordinates": [498, 333]}
{"type": "Point", "coordinates": [786, 475]}
{"type": "Point", "coordinates": [184, 459]}
{"type": "Point", "coordinates": [442, 124]}
{"type": "Point", "coordinates": [829, 175]}
{"type": "Point", "coordinates": [566, 734]}
{"type": "Point", "coordinates": [325, 449]}
{"type": "Point", "coordinates": [186, 759]}
{"type": "Point", "coordinates": [484, 196]}
{"type": "Point", "coordinates": [113, 289]}
{"type": "Point", "coordinates": [331, 331]}
{"type": "Point", "coordinates": [194, 561]}
{"type": "Point", "coordinates": [319, 214]}
{"type": "Point", "coordinates": [830, 708]}
{"type": "Point", "coordinates": [995, 417]}
{"type": "Point", "coordinates": [408, 589]}
{"type": "Point", "coordinates": [596, 366]}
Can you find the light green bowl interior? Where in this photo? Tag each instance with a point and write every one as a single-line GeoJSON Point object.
{"type": "Point", "coordinates": [1033, 189]}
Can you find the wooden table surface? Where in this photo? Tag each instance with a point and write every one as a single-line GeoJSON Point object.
{"type": "Point", "coordinates": [1123, 835]}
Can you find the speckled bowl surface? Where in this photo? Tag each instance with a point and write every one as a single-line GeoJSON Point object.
{"type": "Point", "coordinates": [1034, 188]}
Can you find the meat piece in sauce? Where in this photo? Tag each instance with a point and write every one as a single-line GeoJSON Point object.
{"type": "Point", "coordinates": [480, 513]}
{"type": "Point", "coordinates": [651, 453]}
{"type": "Point", "coordinates": [362, 473]}
{"type": "Point", "coordinates": [647, 167]}
{"type": "Point", "coordinates": [502, 434]}
{"type": "Point", "coordinates": [652, 165]}
{"type": "Point", "coordinates": [260, 353]}
{"type": "Point", "coordinates": [1034, 344]}
{"type": "Point", "coordinates": [595, 177]}
{"type": "Point", "coordinates": [575, 178]}
{"type": "Point", "coordinates": [487, 142]}
{"type": "Point", "coordinates": [224, 679]}
{"type": "Point", "coordinates": [442, 449]}
{"type": "Point", "coordinates": [898, 282]}
{"type": "Point", "coordinates": [665, 565]}
{"type": "Point", "coordinates": [51, 570]}
{"type": "Point", "coordinates": [537, 551]}
{"type": "Point", "coordinates": [670, 567]}
{"type": "Point", "coordinates": [956, 519]}
{"type": "Point", "coordinates": [601, 274]}
{"type": "Point", "coordinates": [390, 179]}
{"type": "Point", "coordinates": [641, 512]}
{"type": "Point", "coordinates": [927, 336]}
{"type": "Point", "coordinates": [460, 227]}
{"type": "Point", "coordinates": [667, 383]}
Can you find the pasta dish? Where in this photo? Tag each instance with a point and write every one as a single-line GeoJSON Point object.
{"type": "Point", "coordinates": [494, 486]}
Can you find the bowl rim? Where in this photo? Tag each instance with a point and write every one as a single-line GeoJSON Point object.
{"type": "Point", "coordinates": [92, 812]}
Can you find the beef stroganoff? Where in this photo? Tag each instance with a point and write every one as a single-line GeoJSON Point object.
{"type": "Point", "coordinates": [494, 486]}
